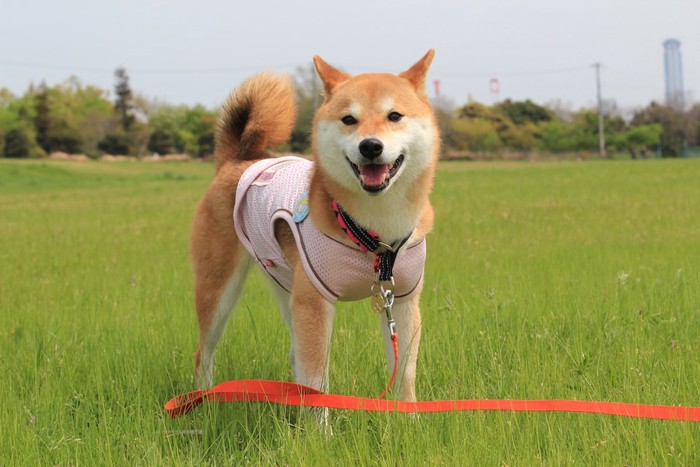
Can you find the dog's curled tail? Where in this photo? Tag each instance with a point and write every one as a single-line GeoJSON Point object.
{"type": "Point", "coordinates": [257, 115]}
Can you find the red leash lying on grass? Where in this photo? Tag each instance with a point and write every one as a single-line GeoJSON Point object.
{"type": "Point", "coordinates": [291, 394]}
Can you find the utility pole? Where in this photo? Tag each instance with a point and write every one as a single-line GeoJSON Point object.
{"type": "Point", "coordinates": [601, 125]}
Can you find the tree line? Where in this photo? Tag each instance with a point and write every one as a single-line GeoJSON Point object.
{"type": "Point", "coordinates": [525, 126]}
{"type": "Point", "coordinates": [76, 118]}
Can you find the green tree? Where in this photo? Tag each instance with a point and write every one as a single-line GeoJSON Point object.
{"type": "Point", "coordinates": [644, 135]}
{"type": "Point", "coordinates": [67, 140]}
{"type": "Point", "coordinates": [585, 122]}
{"type": "Point", "coordinates": [19, 113]}
{"type": "Point", "coordinates": [694, 133]}
{"type": "Point", "coordinates": [79, 116]}
{"type": "Point", "coordinates": [524, 112]}
{"type": "Point", "coordinates": [188, 126]}
{"type": "Point", "coordinates": [679, 128]}
{"type": "Point", "coordinates": [17, 144]}
{"type": "Point", "coordinates": [475, 109]}
{"type": "Point", "coordinates": [474, 134]}
{"type": "Point", "coordinates": [560, 136]}
{"type": "Point", "coordinates": [42, 119]}
{"type": "Point", "coordinates": [124, 101]}
{"type": "Point", "coordinates": [7, 117]}
{"type": "Point", "coordinates": [205, 144]}
{"type": "Point", "coordinates": [522, 137]}
{"type": "Point", "coordinates": [161, 142]}
{"type": "Point", "coordinates": [639, 139]}
{"type": "Point", "coordinates": [115, 143]}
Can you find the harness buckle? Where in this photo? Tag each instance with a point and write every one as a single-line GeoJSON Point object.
{"type": "Point", "coordinates": [392, 328]}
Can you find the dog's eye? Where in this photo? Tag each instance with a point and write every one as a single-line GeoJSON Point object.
{"type": "Point", "coordinates": [348, 120]}
{"type": "Point", "coordinates": [394, 117]}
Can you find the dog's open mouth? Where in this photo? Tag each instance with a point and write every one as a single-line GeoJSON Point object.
{"type": "Point", "coordinates": [376, 177]}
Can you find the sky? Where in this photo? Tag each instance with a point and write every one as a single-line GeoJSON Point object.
{"type": "Point", "coordinates": [189, 52]}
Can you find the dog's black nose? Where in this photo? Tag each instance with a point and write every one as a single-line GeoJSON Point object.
{"type": "Point", "coordinates": [371, 148]}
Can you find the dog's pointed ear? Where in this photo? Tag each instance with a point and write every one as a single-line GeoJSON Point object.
{"type": "Point", "coordinates": [330, 76]}
{"type": "Point", "coordinates": [419, 71]}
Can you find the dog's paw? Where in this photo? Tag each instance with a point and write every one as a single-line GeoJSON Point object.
{"type": "Point", "coordinates": [318, 417]}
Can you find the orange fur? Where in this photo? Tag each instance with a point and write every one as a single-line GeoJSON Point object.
{"type": "Point", "coordinates": [260, 114]}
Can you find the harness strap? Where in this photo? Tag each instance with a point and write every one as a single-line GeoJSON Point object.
{"type": "Point", "coordinates": [368, 241]}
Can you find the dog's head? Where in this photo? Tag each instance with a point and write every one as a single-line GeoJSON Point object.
{"type": "Point", "coordinates": [375, 131]}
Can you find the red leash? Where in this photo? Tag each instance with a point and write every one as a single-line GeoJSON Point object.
{"type": "Point", "coordinates": [395, 345]}
{"type": "Point", "coordinates": [291, 394]}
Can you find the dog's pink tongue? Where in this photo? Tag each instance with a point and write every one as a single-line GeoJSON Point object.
{"type": "Point", "coordinates": [374, 174]}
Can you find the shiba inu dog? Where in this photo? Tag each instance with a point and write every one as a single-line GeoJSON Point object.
{"type": "Point", "coordinates": [307, 223]}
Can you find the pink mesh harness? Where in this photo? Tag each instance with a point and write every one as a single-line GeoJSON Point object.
{"type": "Point", "coordinates": [277, 188]}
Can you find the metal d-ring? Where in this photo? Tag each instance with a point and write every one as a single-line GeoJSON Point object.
{"type": "Point", "coordinates": [386, 247]}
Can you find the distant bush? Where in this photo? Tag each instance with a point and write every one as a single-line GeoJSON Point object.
{"type": "Point", "coordinates": [17, 144]}
{"type": "Point", "coordinates": [161, 142]}
{"type": "Point", "coordinates": [476, 134]}
{"type": "Point", "coordinates": [66, 141]}
{"type": "Point", "coordinates": [206, 144]}
{"type": "Point", "coordinates": [115, 143]}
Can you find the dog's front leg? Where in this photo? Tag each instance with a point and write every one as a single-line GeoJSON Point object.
{"type": "Point", "coordinates": [408, 326]}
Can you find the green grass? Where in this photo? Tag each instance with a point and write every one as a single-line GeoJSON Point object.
{"type": "Point", "coordinates": [549, 280]}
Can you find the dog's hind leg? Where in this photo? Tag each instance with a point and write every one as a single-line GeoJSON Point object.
{"type": "Point", "coordinates": [284, 301]}
{"type": "Point", "coordinates": [408, 327]}
{"type": "Point", "coordinates": [216, 297]}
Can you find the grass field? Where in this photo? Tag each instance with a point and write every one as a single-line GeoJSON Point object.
{"type": "Point", "coordinates": [548, 280]}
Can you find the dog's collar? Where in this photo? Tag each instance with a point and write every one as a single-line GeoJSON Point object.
{"type": "Point", "coordinates": [369, 242]}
